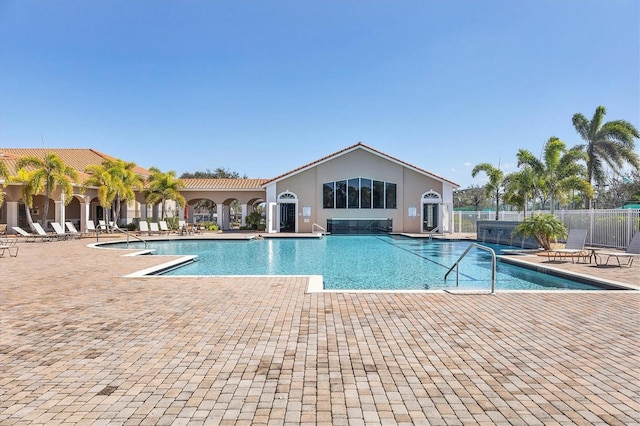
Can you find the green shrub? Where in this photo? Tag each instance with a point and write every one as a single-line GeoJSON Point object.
{"type": "Point", "coordinates": [544, 228]}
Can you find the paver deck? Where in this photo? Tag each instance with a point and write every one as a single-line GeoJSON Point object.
{"type": "Point", "coordinates": [81, 344]}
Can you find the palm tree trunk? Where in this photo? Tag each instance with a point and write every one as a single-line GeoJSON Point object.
{"type": "Point", "coordinates": [29, 219]}
{"type": "Point", "coordinates": [45, 209]}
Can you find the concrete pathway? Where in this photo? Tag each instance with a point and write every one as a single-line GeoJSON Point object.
{"type": "Point", "coordinates": [80, 344]}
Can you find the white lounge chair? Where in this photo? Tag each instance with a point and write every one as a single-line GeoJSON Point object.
{"type": "Point", "coordinates": [57, 228]}
{"type": "Point", "coordinates": [29, 236]}
{"type": "Point", "coordinates": [164, 228]}
{"type": "Point", "coordinates": [41, 232]}
{"type": "Point", "coordinates": [91, 226]}
{"type": "Point", "coordinates": [143, 227]}
{"type": "Point", "coordinates": [13, 250]}
{"type": "Point", "coordinates": [153, 228]}
{"type": "Point", "coordinates": [72, 230]}
{"type": "Point", "coordinates": [573, 248]}
{"type": "Point", "coordinates": [632, 251]}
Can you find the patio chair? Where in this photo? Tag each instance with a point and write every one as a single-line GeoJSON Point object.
{"type": "Point", "coordinates": [573, 248]}
{"type": "Point", "coordinates": [91, 226]}
{"type": "Point", "coordinates": [29, 237]}
{"type": "Point", "coordinates": [13, 250]}
{"type": "Point", "coordinates": [72, 230]}
{"type": "Point", "coordinates": [164, 228]}
{"type": "Point", "coordinates": [632, 251]}
{"type": "Point", "coordinates": [143, 227]}
{"type": "Point", "coordinates": [153, 228]}
{"type": "Point", "coordinates": [57, 228]}
{"type": "Point", "coordinates": [41, 232]}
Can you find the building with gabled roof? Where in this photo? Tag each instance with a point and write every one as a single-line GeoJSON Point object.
{"type": "Point", "coordinates": [359, 190]}
{"type": "Point", "coordinates": [355, 190]}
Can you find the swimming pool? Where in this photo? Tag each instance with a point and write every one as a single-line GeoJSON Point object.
{"type": "Point", "coordinates": [375, 262]}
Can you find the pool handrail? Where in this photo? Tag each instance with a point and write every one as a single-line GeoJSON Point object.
{"type": "Point", "coordinates": [493, 265]}
{"type": "Point", "coordinates": [127, 233]}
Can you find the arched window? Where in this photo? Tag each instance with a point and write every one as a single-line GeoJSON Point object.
{"type": "Point", "coordinates": [287, 197]}
{"type": "Point", "coordinates": [431, 197]}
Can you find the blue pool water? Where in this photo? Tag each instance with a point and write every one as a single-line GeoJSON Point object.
{"type": "Point", "coordinates": [359, 262]}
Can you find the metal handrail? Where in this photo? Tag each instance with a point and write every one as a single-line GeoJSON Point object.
{"type": "Point", "coordinates": [434, 230]}
{"type": "Point", "coordinates": [315, 225]}
{"type": "Point", "coordinates": [128, 234]}
{"type": "Point", "coordinates": [493, 265]}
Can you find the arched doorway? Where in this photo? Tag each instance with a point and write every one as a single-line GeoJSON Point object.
{"type": "Point", "coordinates": [287, 208]}
{"type": "Point", "coordinates": [431, 201]}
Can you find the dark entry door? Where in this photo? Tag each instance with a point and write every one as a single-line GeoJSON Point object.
{"type": "Point", "coordinates": [287, 217]}
{"type": "Point", "coordinates": [429, 217]}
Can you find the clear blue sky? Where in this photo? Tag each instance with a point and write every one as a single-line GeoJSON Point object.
{"type": "Point", "coordinates": [262, 87]}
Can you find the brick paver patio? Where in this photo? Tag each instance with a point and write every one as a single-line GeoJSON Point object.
{"type": "Point", "coordinates": [81, 344]}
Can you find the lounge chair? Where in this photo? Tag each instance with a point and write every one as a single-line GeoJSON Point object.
{"type": "Point", "coordinates": [153, 228]}
{"type": "Point", "coordinates": [164, 228]}
{"type": "Point", "coordinates": [632, 251]}
{"type": "Point", "coordinates": [13, 250]}
{"type": "Point", "coordinates": [59, 230]}
{"type": "Point", "coordinates": [91, 226]}
{"type": "Point", "coordinates": [41, 232]}
{"type": "Point", "coordinates": [72, 230]}
{"type": "Point", "coordinates": [143, 226]}
{"type": "Point", "coordinates": [31, 237]}
{"type": "Point", "coordinates": [573, 248]}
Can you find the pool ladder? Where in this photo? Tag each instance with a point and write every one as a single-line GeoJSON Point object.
{"type": "Point", "coordinates": [493, 265]}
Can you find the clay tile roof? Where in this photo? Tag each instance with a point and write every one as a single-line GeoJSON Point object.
{"type": "Point", "coordinates": [365, 147]}
{"type": "Point", "coordinates": [76, 158]}
{"type": "Point", "coordinates": [230, 184]}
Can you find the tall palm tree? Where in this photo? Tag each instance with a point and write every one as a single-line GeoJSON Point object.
{"type": "Point", "coordinates": [611, 143]}
{"type": "Point", "coordinates": [495, 184]}
{"type": "Point", "coordinates": [163, 186]}
{"type": "Point", "coordinates": [30, 187]}
{"type": "Point", "coordinates": [126, 181]}
{"type": "Point", "coordinates": [520, 187]}
{"type": "Point", "coordinates": [559, 172]}
{"type": "Point", "coordinates": [4, 175]}
{"type": "Point", "coordinates": [101, 178]}
{"type": "Point", "coordinates": [52, 173]}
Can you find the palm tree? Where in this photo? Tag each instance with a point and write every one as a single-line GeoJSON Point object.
{"type": "Point", "coordinates": [495, 184]}
{"type": "Point", "coordinates": [4, 175]}
{"type": "Point", "coordinates": [101, 178]}
{"type": "Point", "coordinates": [30, 187]}
{"type": "Point", "coordinates": [611, 143]}
{"type": "Point", "coordinates": [52, 173]}
{"type": "Point", "coordinates": [520, 188]}
{"type": "Point", "coordinates": [559, 172]}
{"type": "Point", "coordinates": [126, 181]}
{"type": "Point", "coordinates": [164, 186]}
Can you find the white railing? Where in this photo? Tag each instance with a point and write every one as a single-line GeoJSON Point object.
{"type": "Point", "coordinates": [605, 227]}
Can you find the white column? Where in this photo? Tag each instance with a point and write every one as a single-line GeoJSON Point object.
{"type": "Point", "coordinates": [243, 214]}
{"type": "Point", "coordinates": [226, 216]}
{"type": "Point", "coordinates": [60, 212]}
{"type": "Point", "coordinates": [271, 217]}
{"type": "Point", "coordinates": [85, 208]}
{"type": "Point", "coordinates": [12, 215]}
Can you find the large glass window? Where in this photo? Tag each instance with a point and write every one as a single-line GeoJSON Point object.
{"type": "Point", "coordinates": [341, 194]}
{"type": "Point", "coordinates": [359, 193]}
{"type": "Point", "coordinates": [328, 195]}
{"type": "Point", "coordinates": [390, 190]}
{"type": "Point", "coordinates": [378, 194]}
{"type": "Point", "coordinates": [354, 193]}
{"type": "Point", "coordinates": [365, 193]}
